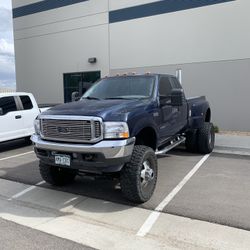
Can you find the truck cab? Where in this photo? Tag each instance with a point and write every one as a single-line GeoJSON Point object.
{"type": "Point", "coordinates": [17, 114]}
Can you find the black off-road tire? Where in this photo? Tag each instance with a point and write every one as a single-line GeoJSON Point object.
{"type": "Point", "coordinates": [57, 176]}
{"type": "Point", "coordinates": [130, 177]}
{"type": "Point", "coordinates": [206, 138]}
{"type": "Point", "coordinates": [191, 141]}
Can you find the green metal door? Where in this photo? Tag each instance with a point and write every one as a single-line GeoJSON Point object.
{"type": "Point", "coordinates": [78, 82]}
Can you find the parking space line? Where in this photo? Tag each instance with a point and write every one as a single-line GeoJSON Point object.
{"type": "Point", "coordinates": [15, 156]}
{"type": "Point", "coordinates": [26, 191]}
{"type": "Point", "coordinates": [150, 221]}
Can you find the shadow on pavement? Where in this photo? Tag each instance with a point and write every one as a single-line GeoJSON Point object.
{"type": "Point", "coordinates": [99, 188]}
{"type": "Point", "coordinates": [171, 171]}
{"type": "Point", "coordinates": [11, 145]}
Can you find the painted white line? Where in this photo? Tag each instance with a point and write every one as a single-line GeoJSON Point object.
{"type": "Point", "coordinates": [148, 224]}
{"type": "Point", "coordinates": [26, 191]}
{"type": "Point", "coordinates": [14, 156]}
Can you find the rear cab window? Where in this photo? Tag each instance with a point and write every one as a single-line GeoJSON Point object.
{"type": "Point", "coordinates": [176, 84]}
{"type": "Point", "coordinates": [7, 105]}
{"type": "Point", "coordinates": [26, 102]}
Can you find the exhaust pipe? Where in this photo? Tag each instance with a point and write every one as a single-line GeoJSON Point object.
{"type": "Point", "coordinates": [179, 75]}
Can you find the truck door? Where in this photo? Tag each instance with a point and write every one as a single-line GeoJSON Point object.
{"type": "Point", "coordinates": [29, 113]}
{"type": "Point", "coordinates": [169, 114]}
{"type": "Point", "coordinates": [181, 115]}
{"type": "Point", "coordinates": [10, 119]}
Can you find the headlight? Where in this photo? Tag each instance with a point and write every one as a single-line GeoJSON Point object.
{"type": "Point", "coordinates": [37, 126]}
{"type": "Point", "coordinates": [114, 130]}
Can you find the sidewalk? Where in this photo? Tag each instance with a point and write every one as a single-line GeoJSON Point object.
{"type": "Point", "coordinates": [106, 225]}
{"type": "Point", "coordinates": [232, 144]}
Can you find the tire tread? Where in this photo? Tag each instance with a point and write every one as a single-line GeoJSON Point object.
{"type": "Point", "coordinates": [202, 139]}
{"type": "Point", "coordinates": [129, 175]}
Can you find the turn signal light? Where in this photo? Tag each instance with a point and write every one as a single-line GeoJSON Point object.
{"type": "Point", "coordinates": [125, 135]}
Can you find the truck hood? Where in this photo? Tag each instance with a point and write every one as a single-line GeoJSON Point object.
{"type": "Point", "coordinates": [108, 110]}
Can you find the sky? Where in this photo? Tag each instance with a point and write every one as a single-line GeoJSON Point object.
{"type": "Point", "coordinates": [7, 57]}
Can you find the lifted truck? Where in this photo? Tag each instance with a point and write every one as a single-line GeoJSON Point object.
{"type": "Point", "coordinates": [117, 128]}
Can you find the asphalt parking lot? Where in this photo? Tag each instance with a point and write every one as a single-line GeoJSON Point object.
{"type": "Point", "coordinates": [218, 192]}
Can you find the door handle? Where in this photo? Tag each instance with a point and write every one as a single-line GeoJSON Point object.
{"type": "Point", "coordinates": [18, 117]}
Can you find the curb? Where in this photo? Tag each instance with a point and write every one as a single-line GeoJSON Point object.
{"type": "Point", "coordinates": [232, 151]}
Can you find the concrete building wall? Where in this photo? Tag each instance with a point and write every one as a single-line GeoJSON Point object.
{"type": "Point", "coordinates": [211, 33]}
{"type": "Point", "coordinates": [209, 43]}
{"type": "Point", "coordinates": [19, 3]}
{"type": "Point", "coordinates": [51, 43]}
{"type": "Point", "coordinates": [41, 62]}
{"type": "Point", "coordinates": [226, 85]}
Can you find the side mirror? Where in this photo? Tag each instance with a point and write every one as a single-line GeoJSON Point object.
{"type": "Point", "coordinates": [75, 97]}
{"type": "Point", "coordinates": [1, 111]}
{"type": "Point", "coordinates": [177, 97]}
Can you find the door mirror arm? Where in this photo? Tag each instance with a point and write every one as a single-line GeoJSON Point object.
{"type": "Point", "coordinates": [75, 97]}
{"type": "Point", "coordinates": [164, 100]}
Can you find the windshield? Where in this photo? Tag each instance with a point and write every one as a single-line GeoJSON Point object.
{"type": "Point", "coordinates": [121, 88]}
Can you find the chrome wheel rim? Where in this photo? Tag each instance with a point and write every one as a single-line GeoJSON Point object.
{"type": "Point", "coordinates": [147, 174]}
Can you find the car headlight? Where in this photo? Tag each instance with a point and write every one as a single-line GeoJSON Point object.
{"type": "Point", "coordinates": [116, 130]}
{"type": "Point", "coordinates": [37, 126]}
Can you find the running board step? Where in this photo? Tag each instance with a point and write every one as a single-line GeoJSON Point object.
{"type": "Point", "coordinates": [174, 143]}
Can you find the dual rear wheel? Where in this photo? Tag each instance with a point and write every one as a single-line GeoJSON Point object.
{"type": "Point", "coordinates": [201, 140]}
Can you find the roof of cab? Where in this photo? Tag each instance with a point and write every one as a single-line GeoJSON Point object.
{"type": "Point", "coordinates": [129, 74]}
{"type": "Point", "coordinates": [14, 94]}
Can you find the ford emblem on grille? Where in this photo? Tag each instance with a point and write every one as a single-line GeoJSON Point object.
{"type": "Point", "coordinates": [63, 130]}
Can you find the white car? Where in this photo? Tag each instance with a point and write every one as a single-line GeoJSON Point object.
{"type": "Point", "coordinates": [17, 114]}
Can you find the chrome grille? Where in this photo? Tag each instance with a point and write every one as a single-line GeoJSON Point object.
{"type": "Point", "coordinates": [71, 130]}
{"type": "Point", "coordinates": [98, 130]}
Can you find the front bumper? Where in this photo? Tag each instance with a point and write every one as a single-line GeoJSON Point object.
{"type": "Point", "coordinates": [104, 156]}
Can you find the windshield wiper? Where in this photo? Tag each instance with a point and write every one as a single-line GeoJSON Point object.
{"type": "Point", "coordinates": [91, 98]}
{"type": "Point", "coordinates": [117, 98]}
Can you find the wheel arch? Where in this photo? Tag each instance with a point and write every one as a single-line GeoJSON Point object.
{"type": "Point", "coordinates": [147, 136]}
{"type": "Point", "coordinates": [208, 115]}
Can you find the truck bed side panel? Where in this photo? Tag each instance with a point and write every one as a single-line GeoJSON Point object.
{"type": "Point", "coordinates": [197, 107]}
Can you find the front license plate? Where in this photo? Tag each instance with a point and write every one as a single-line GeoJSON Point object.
{"type": "Point", "coordinates": [63, 160]}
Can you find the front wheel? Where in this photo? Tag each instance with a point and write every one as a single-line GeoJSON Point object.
{"type": "Point", "coordinates": [57, 176]}
{"type": "Point", "coordinates": [139, 176]}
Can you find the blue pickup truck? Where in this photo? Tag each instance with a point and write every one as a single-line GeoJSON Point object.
{"type": "Point", "coordinates": [117, 128]}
